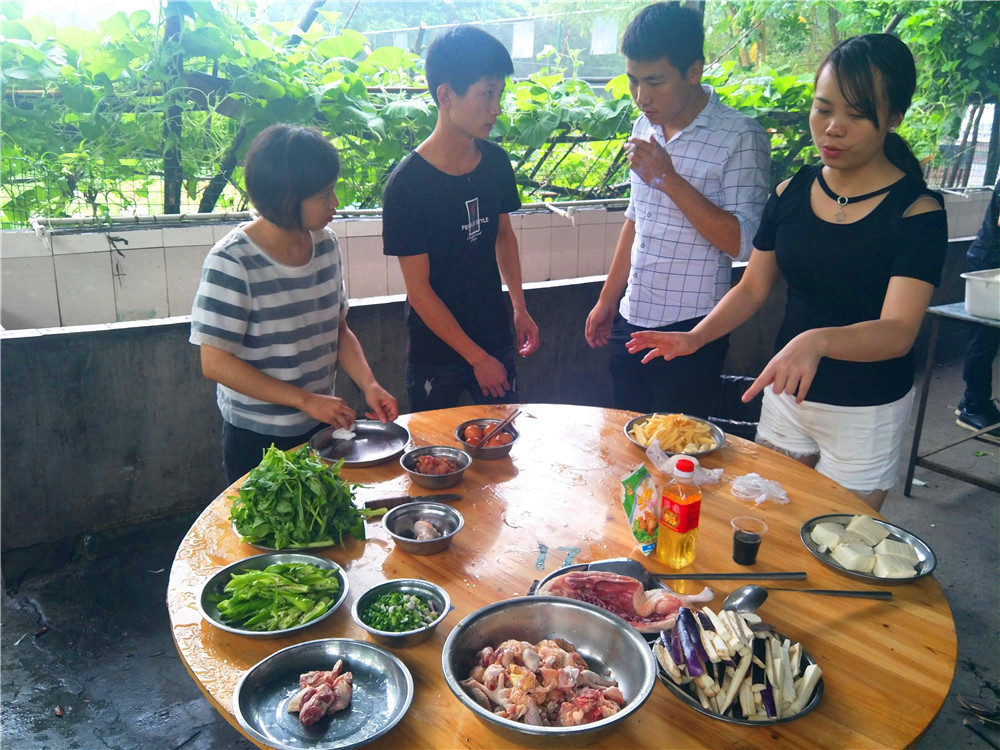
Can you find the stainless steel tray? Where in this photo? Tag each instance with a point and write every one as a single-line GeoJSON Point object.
{"type": "Point", "coordinates": [924, 567]}
{"type": "Point", "coordinates": [212, 591]}
{"type": "Point", "coordinates": [383, 691]}
{"type": "Point", "coordinates": [373, 443]}
{"type": "Point", "coordinates": [717, 433]}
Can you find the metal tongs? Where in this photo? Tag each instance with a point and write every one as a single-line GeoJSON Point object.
{"type": "Point", "coordinates": [495, 431]}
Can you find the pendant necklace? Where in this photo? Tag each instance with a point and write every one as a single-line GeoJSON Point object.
{"type": "Point", "coordinates": [842, 200]}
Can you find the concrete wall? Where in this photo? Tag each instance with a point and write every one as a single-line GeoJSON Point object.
{"type": "Point", "coordinates": [73, 277]}
{"type": "Point", "coordinates": [108, 425]}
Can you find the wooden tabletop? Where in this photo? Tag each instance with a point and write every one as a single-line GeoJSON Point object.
{"type": "Point", "coordinates": [887, 665]}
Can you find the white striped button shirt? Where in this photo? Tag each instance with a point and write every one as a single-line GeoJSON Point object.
{"type": "Point", "coordinates": [676, 273]}
{"type": "Point", "coordinates": [284, 320]}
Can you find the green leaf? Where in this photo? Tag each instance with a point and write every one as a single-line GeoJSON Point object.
{"type": "Point", "coordinates": [390, 58]}
{"type": "Point", "coordinates": [257, 49]}
{"type": "Point", "coordinates": [205, 42]}
{"type": "Point", "coordinates": [14, 30]}
{"type": "Point", "coordinates": [348, 43]}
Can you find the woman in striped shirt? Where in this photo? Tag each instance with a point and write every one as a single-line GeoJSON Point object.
{"type": "Point", "coordinates": [270, 314]}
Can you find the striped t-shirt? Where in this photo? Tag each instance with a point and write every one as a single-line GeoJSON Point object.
{"type": "Point", "coordinates": [281, 319]}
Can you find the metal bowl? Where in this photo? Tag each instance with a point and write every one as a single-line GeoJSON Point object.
{"type": "Point", "coordinates": [925, 566]}
{"type": "Point", "coordinates": [399, 523]}
{"type": "Point", "coordinates": [212, 591]}
{"type": "Point", "coordinates": [687, 695]}
{"type": "Point", "coordinates": [488, 454]}
{"type": "Point", "coordinates": [604, 641]}
{"type": "Point", "coordinates": [382, 693]}
{"type": "Point", "coordinates": [717, 433]}
{"type": "Point", "coordinates": [435, 481]}
{"type": "Point", "coordinates": [424, 589]}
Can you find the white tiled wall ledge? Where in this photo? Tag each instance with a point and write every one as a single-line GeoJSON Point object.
{"type": "Point", "coordinates": [74, 277]}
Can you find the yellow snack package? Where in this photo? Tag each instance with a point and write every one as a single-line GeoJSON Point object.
{"type": "Point", "coordinates": [639, 499]}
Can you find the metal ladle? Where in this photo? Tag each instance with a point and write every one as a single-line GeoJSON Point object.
{"type": "Point", "coordinates": [750, 597]}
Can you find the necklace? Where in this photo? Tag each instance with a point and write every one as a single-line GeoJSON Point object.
{"type": "Point", "coordinates": [843, 200]}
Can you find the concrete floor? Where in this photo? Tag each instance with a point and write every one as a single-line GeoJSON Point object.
{"type": "Point", "coordinates": [92, 640]}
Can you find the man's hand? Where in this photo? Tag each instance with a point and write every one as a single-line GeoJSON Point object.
{"type": "Point", "coordinates": [384, 407]}
{"type": "Point", "coordinates": [597, 330]}
{"type": "Point", "coordinates": [329, 410]}
{"type": "Point", "coordinates": [526, 333]}
{"type": "Point", "coordinates": [491, 376]}
{"type": "Point", "coordinates": [650, 161]}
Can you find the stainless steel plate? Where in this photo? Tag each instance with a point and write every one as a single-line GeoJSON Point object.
{"type": "Point", "coordinates": [212, 591]}
{"type": "Point", "coordinates": [373, 443]}
{"type": "Point", "coordinates": [383, 690]}
{"type": "Point", "coordinates": [717, 433]}
{"type": "Point", "coordinates": [691, 700]}
{"type": "Point", "coordinates": [925, 566]}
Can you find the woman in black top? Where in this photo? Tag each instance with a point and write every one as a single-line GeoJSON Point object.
{"type": "Point", "coordinates": [860, 241]}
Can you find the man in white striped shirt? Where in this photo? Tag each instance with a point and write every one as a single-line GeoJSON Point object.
{"type": "Point", "coordinates": [699, 184]}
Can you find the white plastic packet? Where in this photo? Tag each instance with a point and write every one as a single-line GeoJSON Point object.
{"type": "Point", "coordinates": [665, 464]}
{"type": "Point", "coordinates": [754, 487]}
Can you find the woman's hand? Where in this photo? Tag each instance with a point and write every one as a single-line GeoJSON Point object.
{"type": "Point", "coordinates": [384, 406]}
{"type": "Point", "coordinates": [663, 344]}
{"type": "Point", "coordinates": [792, 369]}
{"type": "Point", "coordinates": [329, 410]}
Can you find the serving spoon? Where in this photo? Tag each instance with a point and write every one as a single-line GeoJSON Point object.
{"type": "Point", "coordinates": [750, 597]}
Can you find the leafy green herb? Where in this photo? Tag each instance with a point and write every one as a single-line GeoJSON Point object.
{"type": "Point", "coordinates": [280, 596]}
{"type": "Point", "coordinates": [294, 500]}
{"type": "Point", "coordinates": [397, 613]}
{"type": "Point", "coordinates": [982, 453]}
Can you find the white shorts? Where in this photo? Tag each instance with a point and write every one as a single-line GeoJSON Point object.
{"type": "Point", "coordinates": [859, 447]}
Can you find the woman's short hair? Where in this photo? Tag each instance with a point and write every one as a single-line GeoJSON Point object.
{"type": "Point", "coordinates": [284, 165]}
{"type": "Point", "coordinates": [665, 30]}
{"type": "Point", "coordinates": [463, 55]}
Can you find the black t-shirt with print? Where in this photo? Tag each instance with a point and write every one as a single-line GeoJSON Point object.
{"type": "Point", "coordinates": [453, 219]}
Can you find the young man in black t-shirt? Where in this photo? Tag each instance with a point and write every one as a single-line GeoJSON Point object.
{"type": "Point", "coordinates": [445, 215]}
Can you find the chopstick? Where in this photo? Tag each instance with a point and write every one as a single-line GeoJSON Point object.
{"type": "Point", "coordinates": [495, 431]}
{"type": "Point", "coordinates": [797, 576]}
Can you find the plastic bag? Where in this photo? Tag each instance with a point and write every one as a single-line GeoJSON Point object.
{"type": "Point", "coordinates": [642, 509]}
{"type": "Point", "coordinates": [665, 464]}
{"type": "Point", "coordinates": [754, 487]}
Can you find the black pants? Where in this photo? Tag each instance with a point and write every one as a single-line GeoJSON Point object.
{"type": "Point", "coordinates": [440, 386]}
{"type": "Point", "coordinates": [983, 344]}
{"type": "Point", "coordinates": [686, 385]}
{"type": "Point", "coordinates": [243, 449]}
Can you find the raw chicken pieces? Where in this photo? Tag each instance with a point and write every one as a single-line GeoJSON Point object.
{"type": "Point", "coordinates": [545, 684]}
{"type": "Point", "coordinates": [647, 611]}
{"type": "Point", "coordinates": [322, 694]}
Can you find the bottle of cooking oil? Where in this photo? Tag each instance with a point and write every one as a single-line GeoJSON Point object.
{"type": "Point", "coordinates": [680, 506]}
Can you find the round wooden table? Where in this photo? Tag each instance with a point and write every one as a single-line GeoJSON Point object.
{"type": "Point", "coordinates": [887, 665]}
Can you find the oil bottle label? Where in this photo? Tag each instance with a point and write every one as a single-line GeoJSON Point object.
{"type": "Point", "coordinates": [680, 518]}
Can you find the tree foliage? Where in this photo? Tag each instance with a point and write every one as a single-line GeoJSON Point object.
{"type": "Point", "coordinates": [84, 111]}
